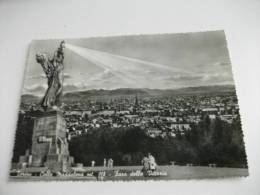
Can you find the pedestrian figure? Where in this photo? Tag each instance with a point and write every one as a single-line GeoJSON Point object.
{"type": "Point", "coordinates": [105, 162]}
{"type": "Point", "coordinates": [92, 163]}
{"type": "Point", "coordinates": [110, 163]}
{"type": "Point", "coordinates": [145, 163]}
{"type": "Point", "coordinates": [152, 162]}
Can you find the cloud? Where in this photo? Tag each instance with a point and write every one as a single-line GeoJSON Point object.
{"type": "Point", "coordinates": [218, 78]}
{"type": "Point", "coordinates": [184, 78]}
{"type": "Point", "coordinates": [69, 87]}
{"type": "Point", "coordinates": [36, 89]}
{"type": "Point", "coordinates": [222, 64]}
{"type": "Point", "coordinates": [40, 76]}
{"type": "Point", "coordinates": [36, 86]}
{"type": "Point", "coordinates": [106, 75]}
{"type": "Point", "coordinates": [43, 76]}
{"type": "Point", "coordinates": [66, 75]}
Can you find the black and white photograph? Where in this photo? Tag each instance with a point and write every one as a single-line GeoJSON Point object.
{"type": "Point", "coordinates": [129, 108]}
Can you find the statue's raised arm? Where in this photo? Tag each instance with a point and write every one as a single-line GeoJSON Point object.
{"type": "Point", "coordinates": [58, 56]}
{"type": "Point", "coordinates": [53, 69]}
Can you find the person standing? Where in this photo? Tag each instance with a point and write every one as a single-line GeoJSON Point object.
{"type": "Point", "coordinates": [152, 163]}
{"type": "Point", "coordinates": [110, 163]}
{"type": "Point", "coordinates": [92, 163]}
{"type": "Point", "coordinates": [105, 162]}
{"type": "Point", "coordinates": [145, 163]}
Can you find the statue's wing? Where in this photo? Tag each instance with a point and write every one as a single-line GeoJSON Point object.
{"type": "Point", "coordinates": [46, 64]}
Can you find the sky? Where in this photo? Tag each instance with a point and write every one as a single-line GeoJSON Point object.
{"type": "Point", "coordinates": [158, 61]}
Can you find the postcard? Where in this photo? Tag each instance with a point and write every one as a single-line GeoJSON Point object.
{"type": "Point", "coordinates": [129, 108]}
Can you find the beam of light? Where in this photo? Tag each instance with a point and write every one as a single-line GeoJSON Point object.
{"type": "Point", "coordinates": [97, 60]}
{"type": "Point", "coordinates": [106, 63]}
{"type": "Point", "coordinates": [126, 62]}
{"type": "Point", "coordinates": [118, 70]}
{"type": "Point", "coordinates": [129, 71]}
{"type": "Point", "coordinates": [137, 62]}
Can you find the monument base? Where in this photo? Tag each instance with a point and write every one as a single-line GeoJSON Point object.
{"type": "Point", "coordinates": [59, 162]}
{"type": "Point", "coordinates": [49, 142]}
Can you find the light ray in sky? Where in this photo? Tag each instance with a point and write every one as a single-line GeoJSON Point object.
{"type": "Point", "coordinates": [131, 71]}
{"type": "Point", "coordinates": [97, 60]}
{"type": "Point", "coordinates": [116, 68]}
{"type": "Point", "coordinates": [133, 62]}
{"type": "Point", "coordinates": [113, 65]}
{"type": "Point", "coordinates": [123, 62]}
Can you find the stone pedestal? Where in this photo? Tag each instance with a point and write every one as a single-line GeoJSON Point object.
{"type": "Point", "coordinates": [49, 142]}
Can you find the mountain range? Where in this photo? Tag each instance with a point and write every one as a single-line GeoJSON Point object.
{"type": "Point", "coordinates": [142, 92]}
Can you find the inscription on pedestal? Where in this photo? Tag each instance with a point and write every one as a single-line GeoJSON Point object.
{"type": "Point", "coordinates": [49, 143]}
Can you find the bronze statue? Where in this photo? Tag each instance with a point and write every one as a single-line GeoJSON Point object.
{"type": "Point", "coordinates": [53, 68]}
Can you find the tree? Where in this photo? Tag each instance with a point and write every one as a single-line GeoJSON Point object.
{"type": "Point", "coordinates": [23, 136]}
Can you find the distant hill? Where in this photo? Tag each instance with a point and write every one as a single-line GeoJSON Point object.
{"type": "Point", "coordinates": [126, 92]}
{"type": "Point", "coordinates": [101, 93]}
{"type": "Point", "coordinates": [203, 90]}
{"type": "Point", "coordinates": [27, 98]}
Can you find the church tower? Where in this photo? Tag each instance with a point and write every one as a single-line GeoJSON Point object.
{"type": "Point", "coordinates": [136, 105]}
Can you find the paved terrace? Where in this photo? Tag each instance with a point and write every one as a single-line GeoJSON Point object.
{"type": "Point", "coordinates": [123, 173]}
